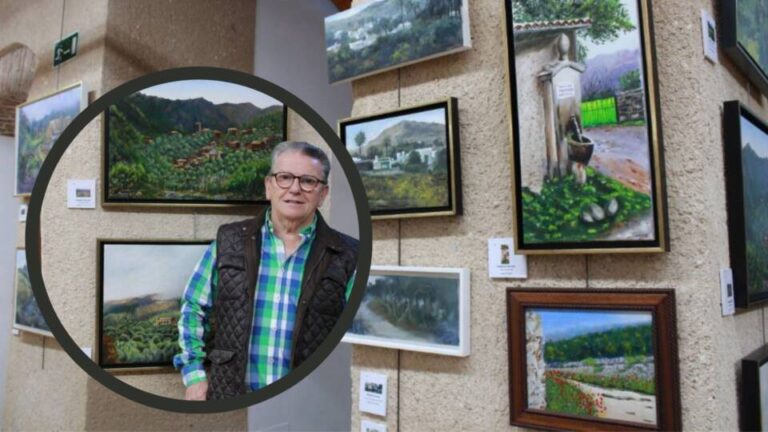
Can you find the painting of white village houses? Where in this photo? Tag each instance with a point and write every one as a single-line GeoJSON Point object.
{"type": "Point", "coordinates": [583, 146]}
{"type": "Point", "coordinates": [402, 158]}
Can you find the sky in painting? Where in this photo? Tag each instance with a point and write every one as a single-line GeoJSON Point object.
{"type": "Point", "coordinates": [21, 259]}
{"type": "Point", "coordinates": [374, 128]}
{"type": "Point", "coordinates": [214, 91]}
{"type": "Point", "coordinates": [566, 323]}
{"type": "Point", "coordinates": [756, 138]}
{"type": "Point", "coordinates": [138, 270]}
{"type": "Point", "coordinates": [68, 100]}
{"type": "Point", "coordinates": [626, 41]}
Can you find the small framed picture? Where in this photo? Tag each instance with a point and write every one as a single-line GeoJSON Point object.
{"type": "Point", "coordinates": [593, 359]}
{"type": "Point", "coordinates": [27, 314]}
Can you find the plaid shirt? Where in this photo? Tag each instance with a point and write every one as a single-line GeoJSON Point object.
{"type": "Point", "coordinates": [278, 288]}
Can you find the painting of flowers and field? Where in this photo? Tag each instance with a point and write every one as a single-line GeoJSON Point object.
{"type": "Point", "coordinates": [142, 286]}
{"type": "Point", "coordinates": [589, 363]}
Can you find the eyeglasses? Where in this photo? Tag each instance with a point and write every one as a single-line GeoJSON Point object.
{"type": "Point", "coordinates": [307, 183]}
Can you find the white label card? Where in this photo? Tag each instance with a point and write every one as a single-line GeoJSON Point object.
{"type": "Point", "coordinates": [81, 194]}
{"type": "Point", "coordinates": [502, 262]}
{"type": "Point", "coordinates": [369, 426]}
{"type": "Point", "coordinates": [709, 36]}
{"type": "Point", "coordinates": [565, 91]}
{"type": "Point", "coordinates": [726, 292]}
{"type": "Point", "coordinates": [373, 393]}
{"type": "Point", "coordinates": [22, 213]}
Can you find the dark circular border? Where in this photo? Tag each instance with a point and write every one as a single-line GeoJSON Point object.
{"type": "Point", "coordinates": [33, 242]}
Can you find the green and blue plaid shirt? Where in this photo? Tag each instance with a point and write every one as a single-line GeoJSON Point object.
{"type": "Point", "coordinates": [278, 288]}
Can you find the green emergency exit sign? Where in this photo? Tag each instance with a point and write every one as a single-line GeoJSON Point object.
{"type": "Point", "coordinates": [65, 49]}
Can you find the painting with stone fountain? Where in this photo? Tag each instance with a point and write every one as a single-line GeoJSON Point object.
{"type": "Point", "coordinates": [587, 146]}
{"type": "Point", "coordinates": [593, 356]}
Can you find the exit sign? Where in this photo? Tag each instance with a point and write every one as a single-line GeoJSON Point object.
{"type": "Point", "coordinates": [65, 49]}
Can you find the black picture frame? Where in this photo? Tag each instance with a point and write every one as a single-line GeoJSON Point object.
{"type": "Point", "coordinates": [752, 396]}
{"type": "Point", "coordinates": [734, 135]}
{"type": "Point", "coordinates": [451, 187]}
{"type": "Point", "coordinates": [735, 48]}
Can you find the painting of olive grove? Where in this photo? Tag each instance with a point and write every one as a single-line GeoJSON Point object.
{"type": "Point", "coordinates": [752, 30]}
{"type": "Point", "coordinates": [591, 363]}
{"type": "Point", "coordinates": [414, 312]}
{"type": "Point", "coordinates": [403, 159]}
{"type": "Point", "coordinates": [584, 141]}
{"type": "Point", "coordinates": [142, 286]}
{"type": "Point", "coordinates": [193, 141]}
{"type": "Point", "coordinates": [39, 125]}
{"type": "Point", "coordinates": [27, 314]}
{"type": "Point", "coordinates": [383, 34]}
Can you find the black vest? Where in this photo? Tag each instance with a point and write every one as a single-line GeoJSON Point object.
{"type": "Point", "coordinates": [331, 262]}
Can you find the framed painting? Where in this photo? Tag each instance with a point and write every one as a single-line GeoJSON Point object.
{"type": "Point", "coordinates": [744, 37]}
{"type": "Point", "coordinates": [27, 316]}
{"type": "Point", "coordinates": [593, 359]}
{"type": "Point", "coordinates": [39, 123]}
{"type": "Point", "coordinates": [385, 34]}
{"type": "Point", "coordinates": [141, 284]}
{"type": "Point", "coordinates": [588, 168]}
{"type": "Point", "coordinates": [408, 160]}
{"type": "Point", "coordinates": [754, 391]}
{"type": "Point", "coordinates": [745, 140]}
{"type": "Point", "coordinates": [424, 309]}
{"type": "Point", "coordinates": [190, 142]}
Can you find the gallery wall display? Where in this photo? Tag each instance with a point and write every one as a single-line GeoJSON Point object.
{"type": "Point", "coordinates": [408, 159]}
{"type": "Point", "coordinates": [27, 315]}
{"type": "Point", "coordinates": [744, 37]}
{"type": "Point", "coordinates": [593, 359]}
{"type": "Point", "coordinates": [141, 284]}
{"type": "Point", "coordinates": [423, 309]}
{"type": "Point", "coordinates": [587, 155]}
{"type": "Point", "coordinates": [39, 123]}
{"type": "Point", "coordinates": [190, 142]}
{"type": "Point", "coordinates": [745, 141]}
{"type": "Point", "coordinates": [380, 35]}
{"type": "Point", "coordinates": [754, 391]}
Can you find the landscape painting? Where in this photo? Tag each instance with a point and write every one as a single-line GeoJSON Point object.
{"type": "Point", "coordinates": [39, 124]}
{"type": "Point", "coordinates": [592, 363]}
{"type": "Point", "coordinates": [27, 315]}
{"type": "Point", "coordinates": [746, 163]}
{"type": "Point", "coordinates": [141, 287]}
{"type": "Point", "coordinates": [586, 127]}
{"type": "Point", "coordinates": [744, 37]}
{"type": "Point", "coordinates": [383, 34]}
{"type": "Point", "coordinates": [415, 309]}
{"type": "Point", "coordinates": [593, 359]}
{"type": "Point", "coordinates": [408, 160]}
{"type": "Point", "coordinates": [191, 142]}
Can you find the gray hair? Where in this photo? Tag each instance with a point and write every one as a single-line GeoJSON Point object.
{"type": "Point", "coordinates": [306, 149]}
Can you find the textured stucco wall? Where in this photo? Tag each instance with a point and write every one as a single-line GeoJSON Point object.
{"type": "Point", "coordinates": [444, 393]}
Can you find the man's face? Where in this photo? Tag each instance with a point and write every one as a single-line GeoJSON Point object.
{"type": "Point", "coordinates": [294, 204]}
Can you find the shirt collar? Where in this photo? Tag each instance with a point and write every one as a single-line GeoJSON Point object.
{"type": "Point", "coordinates": [306, 232]}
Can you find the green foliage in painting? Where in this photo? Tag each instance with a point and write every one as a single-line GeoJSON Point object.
{"type": "Point", "coordinates": [407, 190]}
{"type": "Point", "coordinates": [565, 397]}
{"type": "Point", "coordinates": [555, 214]}
{"type": "Point", "coordinates": [619, 342]}
{"type": "Point", "coordinates": [752, 24]}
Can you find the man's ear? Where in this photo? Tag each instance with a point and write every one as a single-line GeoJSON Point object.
{"type": "Point", "coordinates": [323, 195]}
{"type": "Point", "coordinates": [267, 187]}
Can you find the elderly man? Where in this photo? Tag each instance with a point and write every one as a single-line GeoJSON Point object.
{"type": "Point", "coordinates": [275, 284]}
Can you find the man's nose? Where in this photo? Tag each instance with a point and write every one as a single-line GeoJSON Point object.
{"type": "Point", "coordinates": [295, 186]}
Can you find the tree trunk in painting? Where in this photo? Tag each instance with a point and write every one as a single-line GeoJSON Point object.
{"type": "Point", "coordinates": [534, 351]}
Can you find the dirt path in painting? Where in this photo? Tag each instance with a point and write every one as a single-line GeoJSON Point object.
{"type": "Point", "coordinates": [622, 404]}
{"type": "Point", "coordinates": [379, 326]}
{"type": "Point", "coordinates": [622, 153]}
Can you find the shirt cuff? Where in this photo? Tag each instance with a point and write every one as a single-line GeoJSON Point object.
{"type": "Point", "coordinates": [193, 374]}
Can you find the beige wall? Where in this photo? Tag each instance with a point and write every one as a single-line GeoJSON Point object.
{"type": "Point", "coordinates": [445, 393]}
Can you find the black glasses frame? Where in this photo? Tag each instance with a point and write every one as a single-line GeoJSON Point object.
{"type": "Point", "coordinates": [301, 178]}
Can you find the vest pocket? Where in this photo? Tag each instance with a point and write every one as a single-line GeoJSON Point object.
{"type": "Point", "coordinates": [220, 356]}
{"type": "Point", "coordinates": [232, 275]}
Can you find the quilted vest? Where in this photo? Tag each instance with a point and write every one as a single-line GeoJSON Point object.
{"type": "Point", "coordinates": [331, 262]}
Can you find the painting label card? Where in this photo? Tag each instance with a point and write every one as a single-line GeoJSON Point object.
{"type": "Point", "coordinates": [22, 213]}
{"type": "Point", "coordinates": [369, 426]}
{"type": "Point", "coordinates": [88, 351]}
{"type": "Point", "coordinates": [15, 332]}
{"type": "Point", "coordinates": [709, 36]}
{"type": "Point", "coordinates": [726, 292]}
{"type": "Point", "coordinates": [81, 194]}
{"type": "Point", "coordinates": [373, 393]}
{"type": "Point", "coordinates": [503, 262]}
{"type": "Point", "coordinates": [65, 49]}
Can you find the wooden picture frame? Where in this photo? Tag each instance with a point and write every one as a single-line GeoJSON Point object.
{"type": "Point", "coordinates": [739, 21]}
{"type": "Point", "coordinates": [754, 391]}
{"type": "Point", "coordinates": [190, 143]}
{"type": "Point", "coordinates": [126, 310]}
{"type": "Point", "coordinates": [39, 123]}
{"type": "Point", "coordinates": [745, 143]}
{"type": "Point", "coordinates": [27, 316]}
{"type": "Point", "coordinates": [437, 302]}
{"type": "Point", "coordinates": [420, 146]}
{"type": "Point", "coordinates": [588, 169]}
{"type": "Point", "coordinates": [386, 34]}
{"type": "Point", "coordinates": [566, 372]}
